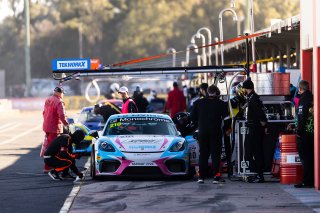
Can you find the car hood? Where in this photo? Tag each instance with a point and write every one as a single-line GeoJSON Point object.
{"type": "Point", "coordinates": [143, 143]}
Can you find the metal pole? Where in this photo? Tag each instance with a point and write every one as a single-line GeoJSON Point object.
{"type": "Point", "coordinates": [195, 48]}
{"type": "Point", "coordinates": [247, 57]}
{"type": "Point", "coordinates": [252, 39]}
{"type": "Point", "coordinates": [204, 55]}
{"type": "Point", "coordinates": [27, 48]}
{"type": "Point", "coordinates": [235, 18]}
{"type": "Point", "coordinates": [209, 41]}
{"type": "Point", "coordinates": [216, 39]}
{"type": "Point", "coordinates": [80, 41]}
{"type": "Point", "coordinates": [173, 51]}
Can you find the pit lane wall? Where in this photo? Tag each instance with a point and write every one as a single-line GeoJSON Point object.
{"type": "Point", "coordinates": [71, 102]}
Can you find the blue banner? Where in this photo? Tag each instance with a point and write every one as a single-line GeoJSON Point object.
{"type": "Point", "coordinates": [71, 64]}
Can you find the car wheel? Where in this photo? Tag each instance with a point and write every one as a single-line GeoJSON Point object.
{"type": "Point", "coordinates": [93, 164]}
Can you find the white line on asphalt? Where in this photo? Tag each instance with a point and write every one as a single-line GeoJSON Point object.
{"type": "Point", "coordinates": [5, 125]}
{"type": "Point", "coordinates": [74, 192]}
{"type": "Point", "coordinates": [10, 127]}
{"type": "Point", "coordinates": [20, 135]}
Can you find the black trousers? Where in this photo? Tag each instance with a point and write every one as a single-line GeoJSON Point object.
{"type": "Point", "coordinates": [227, 149]}
{"type": "Point", "coordinates": [305, 145]}
{"type": "Point", "coordinates": [209, 143]}
{"type": "Point", "coordinates": [254, 149]}
{"type": "Point", "coordinates": [61, 164]}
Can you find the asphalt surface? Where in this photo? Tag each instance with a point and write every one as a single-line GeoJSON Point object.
{"type": "Point", "coordinates": [186, 196]}
{"type": "Point", "coordinates": [24, 187]}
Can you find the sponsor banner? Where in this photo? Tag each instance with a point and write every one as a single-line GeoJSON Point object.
{"type": "Point", "coordinates": [71, 64]}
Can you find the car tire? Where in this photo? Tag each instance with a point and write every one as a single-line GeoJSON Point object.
{"type": "Point", "coordinates": [93, 164]}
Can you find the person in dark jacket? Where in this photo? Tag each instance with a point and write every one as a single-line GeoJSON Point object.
{"type": "Point", "coordinates": [257, 127]}
{"type": "Point", "coordinates": [208, 114]}
{"type": "Point", "coordinates": [58, 154]}
{"type": "Point", "coordinates": [140, 100]}
{"type": "Point", "coordinates": [305, 141]}
{"type": "Point", "coordinates": [106, 110]}
{"type": "Point", "coordinates": [128, 106]}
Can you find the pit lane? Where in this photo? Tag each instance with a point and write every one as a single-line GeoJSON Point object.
{"type": "Point", "coordinates": [24, 188]}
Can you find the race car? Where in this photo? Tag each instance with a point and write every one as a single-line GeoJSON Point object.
{"type": "Point", "coordinates": [88, 118]}
{"type": "Point", "coordinates": [84, 147]}
{"type": "Point", "coordinates": [140, 144]}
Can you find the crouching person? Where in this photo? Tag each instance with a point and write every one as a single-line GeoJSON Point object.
{"type": "Point", "coordinates": [58, 154]}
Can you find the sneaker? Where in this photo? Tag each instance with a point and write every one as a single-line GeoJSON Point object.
{"type": "Point", "coordinates": [256, 179]}
{"type": "Point", "coordinates": [67, 175]}
{"type": "Point", "coordinates": [217, 179]}
{"type": "Point", "coordinates": [200, 180]}
{"type": "Point", "coordinates": [78, 179]}
{"type": "Point", "coordinates": [54, 175]}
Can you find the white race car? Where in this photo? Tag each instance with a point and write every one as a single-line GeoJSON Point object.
{"type": "Point", "coordinates": [140, 144]}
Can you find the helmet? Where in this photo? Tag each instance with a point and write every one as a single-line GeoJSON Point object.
{"type": "Point", "coordinates": [181, 120]}
{"type": "Point", "coordinates": [77, 136]}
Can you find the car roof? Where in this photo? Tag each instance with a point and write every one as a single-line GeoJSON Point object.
{"type": "Point", "coordinates": [89, 108]}
{"type": "Point", "coordinates": [141, 115]}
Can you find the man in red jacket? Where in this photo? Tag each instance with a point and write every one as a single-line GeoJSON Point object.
{"type": "Point", "coordinates": [176, 101]}
{"type": "Point", "coordinates": [54, 118]}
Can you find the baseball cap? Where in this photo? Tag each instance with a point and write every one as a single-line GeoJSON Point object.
{"type": "Point", "coordinates": [59, 89]}
{"type": "Point", "coordinates": [123, 90]}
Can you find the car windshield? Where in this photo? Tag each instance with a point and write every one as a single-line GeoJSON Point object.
{"type": "Point", "coordinates": [140, 126]}
{"type": "Point", "coordinates": [89, 116]}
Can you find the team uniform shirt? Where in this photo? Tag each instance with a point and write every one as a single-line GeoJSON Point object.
{"type": "Point", "coordinates": [208, 113]}
{"type": "Point", "coordinates": [255, 110]}
{"type": "Point", "coordinates": [303, 114]}
{"type": "Point", "coordinates": [129, 106]}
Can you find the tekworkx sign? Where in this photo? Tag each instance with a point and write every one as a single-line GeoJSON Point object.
{"type": "Point", "coordinates": [71, 64]}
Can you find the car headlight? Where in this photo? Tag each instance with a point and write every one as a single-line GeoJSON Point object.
{"type": "Point", "coordinates": [107, 147]}
{"type": "Point", "coordinates": [178, 146]}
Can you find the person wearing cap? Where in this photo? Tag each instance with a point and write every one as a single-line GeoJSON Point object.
{"type": "Point", "coordinates": [257, 127]}
{"type": "Point", "coordinates": [176, 101]}
{"type": "Point", "coordinates": [207, 113]}
{"type": "Point", "coordinates": [54, 120]}
{"type": "Point", "coordinates": [58, 155]}
{"type": "Point", "coordinates": [128, 105]}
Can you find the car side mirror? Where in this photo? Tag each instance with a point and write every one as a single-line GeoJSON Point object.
{"type": "Point", "coordinates": [179, 133]}
{"type": "Point", "coordinates": [70, 120]}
